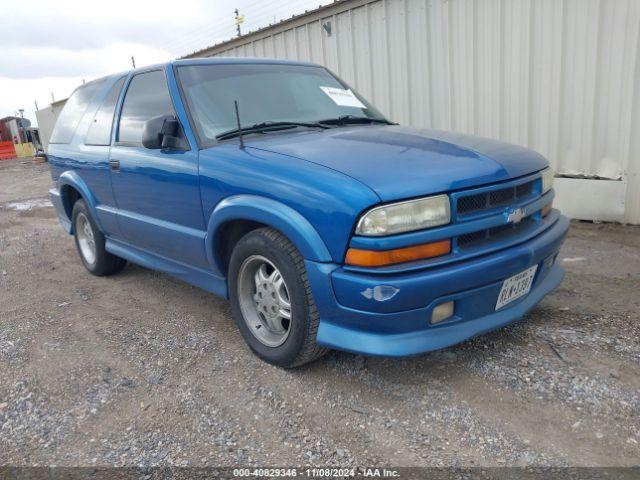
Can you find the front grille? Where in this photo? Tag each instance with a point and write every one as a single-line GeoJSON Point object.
{"type": "Point", "coordinates": [496, 198]}
{"type": "Point", "coordinates": [495, 234]}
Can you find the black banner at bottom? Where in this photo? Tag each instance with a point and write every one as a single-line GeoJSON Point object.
{"type": "Point", "coordinates": [402, 473]}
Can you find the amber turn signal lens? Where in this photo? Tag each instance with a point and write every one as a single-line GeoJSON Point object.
{"type": "Point", "coordinates": [378, 258]}
{"type": "Point", "coordinates": [546, 209]}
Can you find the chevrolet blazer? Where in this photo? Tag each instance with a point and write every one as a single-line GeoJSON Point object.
{"type": "Point", "coordinates": [274, 184]}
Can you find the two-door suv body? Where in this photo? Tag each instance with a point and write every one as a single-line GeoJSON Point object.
{"type": "Point", "coordinates": [274, 184]}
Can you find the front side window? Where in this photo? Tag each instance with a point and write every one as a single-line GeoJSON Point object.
{"type": "Point", "coordinates": [100, 129]}
{"type": "Point", "coordinates": [265, 92]}
{"type": "Point", "coordinates": [147, 97]}
{"type": "Point", "coordinates": [73, 111]}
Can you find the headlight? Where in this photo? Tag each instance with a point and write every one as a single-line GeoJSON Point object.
{"type": "Point", "coordinates": [405, 216]}
{"type": "Point", "coordinates": [547, 179]}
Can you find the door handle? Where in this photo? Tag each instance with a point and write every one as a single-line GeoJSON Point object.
{"type": "Point", "coordinates": [114, 165]}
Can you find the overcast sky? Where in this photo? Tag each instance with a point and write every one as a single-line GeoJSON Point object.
{"type": "Point", "coordinates": [52, 45]}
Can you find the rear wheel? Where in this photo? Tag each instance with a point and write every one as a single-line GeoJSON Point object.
{"type": "Point", "coordinates": [90, 243]}
{"type": "Point", "coordinates": [271, 299]}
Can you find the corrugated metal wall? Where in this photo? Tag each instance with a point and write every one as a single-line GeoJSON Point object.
{"type": "Point", "coordinates": [559, 76]}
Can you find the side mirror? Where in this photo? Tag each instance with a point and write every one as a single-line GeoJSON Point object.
{"type": "Point", "coordinates": [162, 132]}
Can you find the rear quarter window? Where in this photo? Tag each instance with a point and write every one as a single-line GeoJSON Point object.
{"type": "Point", "coordinates": [100, 129]}
{"type": "Point", "coordinates": [73, 111]}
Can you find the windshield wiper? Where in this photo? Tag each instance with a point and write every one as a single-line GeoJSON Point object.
{"type": "Point", "coordinates": [354, 120]}
{"type": "Point", "coordinates": [267, 126]}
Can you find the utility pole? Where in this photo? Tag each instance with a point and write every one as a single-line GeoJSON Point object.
{"type": "Point", "coordinates": [133, 61]}
{"type": "Point", "coordinates": [35, 102]}
{"type": "Point", "coordinates": [239, 20]}
{"type": "Point", "coordinates": [52, 99]}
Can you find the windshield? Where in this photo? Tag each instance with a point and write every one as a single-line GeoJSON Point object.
{"type": "Point", "coordinates": [265, 93]}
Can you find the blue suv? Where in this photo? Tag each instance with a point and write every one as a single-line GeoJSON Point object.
{"type": "Point", "coordinates": [274, 184]}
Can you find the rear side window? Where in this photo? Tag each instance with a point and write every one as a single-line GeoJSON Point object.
{"type": "Point", "coordinates": [147, 97]}
{"type": "Point", "coordinates": [100, 129]}
{"type": "Point", "coordinates": [73, 111]}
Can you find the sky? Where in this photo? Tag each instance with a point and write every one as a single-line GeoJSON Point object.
{"type": "Point", "coordinates": [51, 46]}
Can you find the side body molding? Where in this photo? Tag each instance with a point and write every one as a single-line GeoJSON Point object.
{"type": "Point", "coordinates": [272, 213]}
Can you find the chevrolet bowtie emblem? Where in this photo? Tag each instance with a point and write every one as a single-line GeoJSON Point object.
{"type": "Point", "coordinates": [515, 215]}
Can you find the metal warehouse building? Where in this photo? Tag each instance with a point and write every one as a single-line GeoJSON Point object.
{"type": "Point", "coordinates": [559, 76]}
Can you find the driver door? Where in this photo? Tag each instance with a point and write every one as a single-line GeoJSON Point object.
{"type": "Point", "coordinates": [157, 191]}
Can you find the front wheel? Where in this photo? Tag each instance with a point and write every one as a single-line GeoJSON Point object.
{"type": "Point", "coordinates": [271, 299]}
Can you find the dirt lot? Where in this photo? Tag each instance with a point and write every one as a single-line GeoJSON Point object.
{"type": "Point", "coordinates": [141, 369]}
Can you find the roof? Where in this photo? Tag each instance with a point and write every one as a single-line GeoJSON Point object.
{"type": "Point", "coordinates": [239, 61]}
{"type": "Point", "coordinates": [201, 61]}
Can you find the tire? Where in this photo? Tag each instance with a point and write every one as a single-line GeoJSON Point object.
{"type": "Point", "coordinates": [296, 346]}
{"type": "Point", "coordinates": [90, 243]}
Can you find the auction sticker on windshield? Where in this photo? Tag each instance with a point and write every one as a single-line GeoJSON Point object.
{"type": "Point", "coordinates": [343, 98]}
{"type": "Point", "coordinates": [516, 286]}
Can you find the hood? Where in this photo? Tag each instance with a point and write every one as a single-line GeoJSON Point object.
{"type": "Point", "coordinates": [400, 162]}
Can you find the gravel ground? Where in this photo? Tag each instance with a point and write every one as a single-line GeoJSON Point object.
{"type": "Point", "coordinates": [140, 369]}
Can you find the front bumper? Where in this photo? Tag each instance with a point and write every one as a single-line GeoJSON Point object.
{"type": "Point", "coordinates": [351, 321]}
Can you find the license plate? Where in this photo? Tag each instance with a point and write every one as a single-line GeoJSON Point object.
{"type": "Point", "coordinates": [516, 287]}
